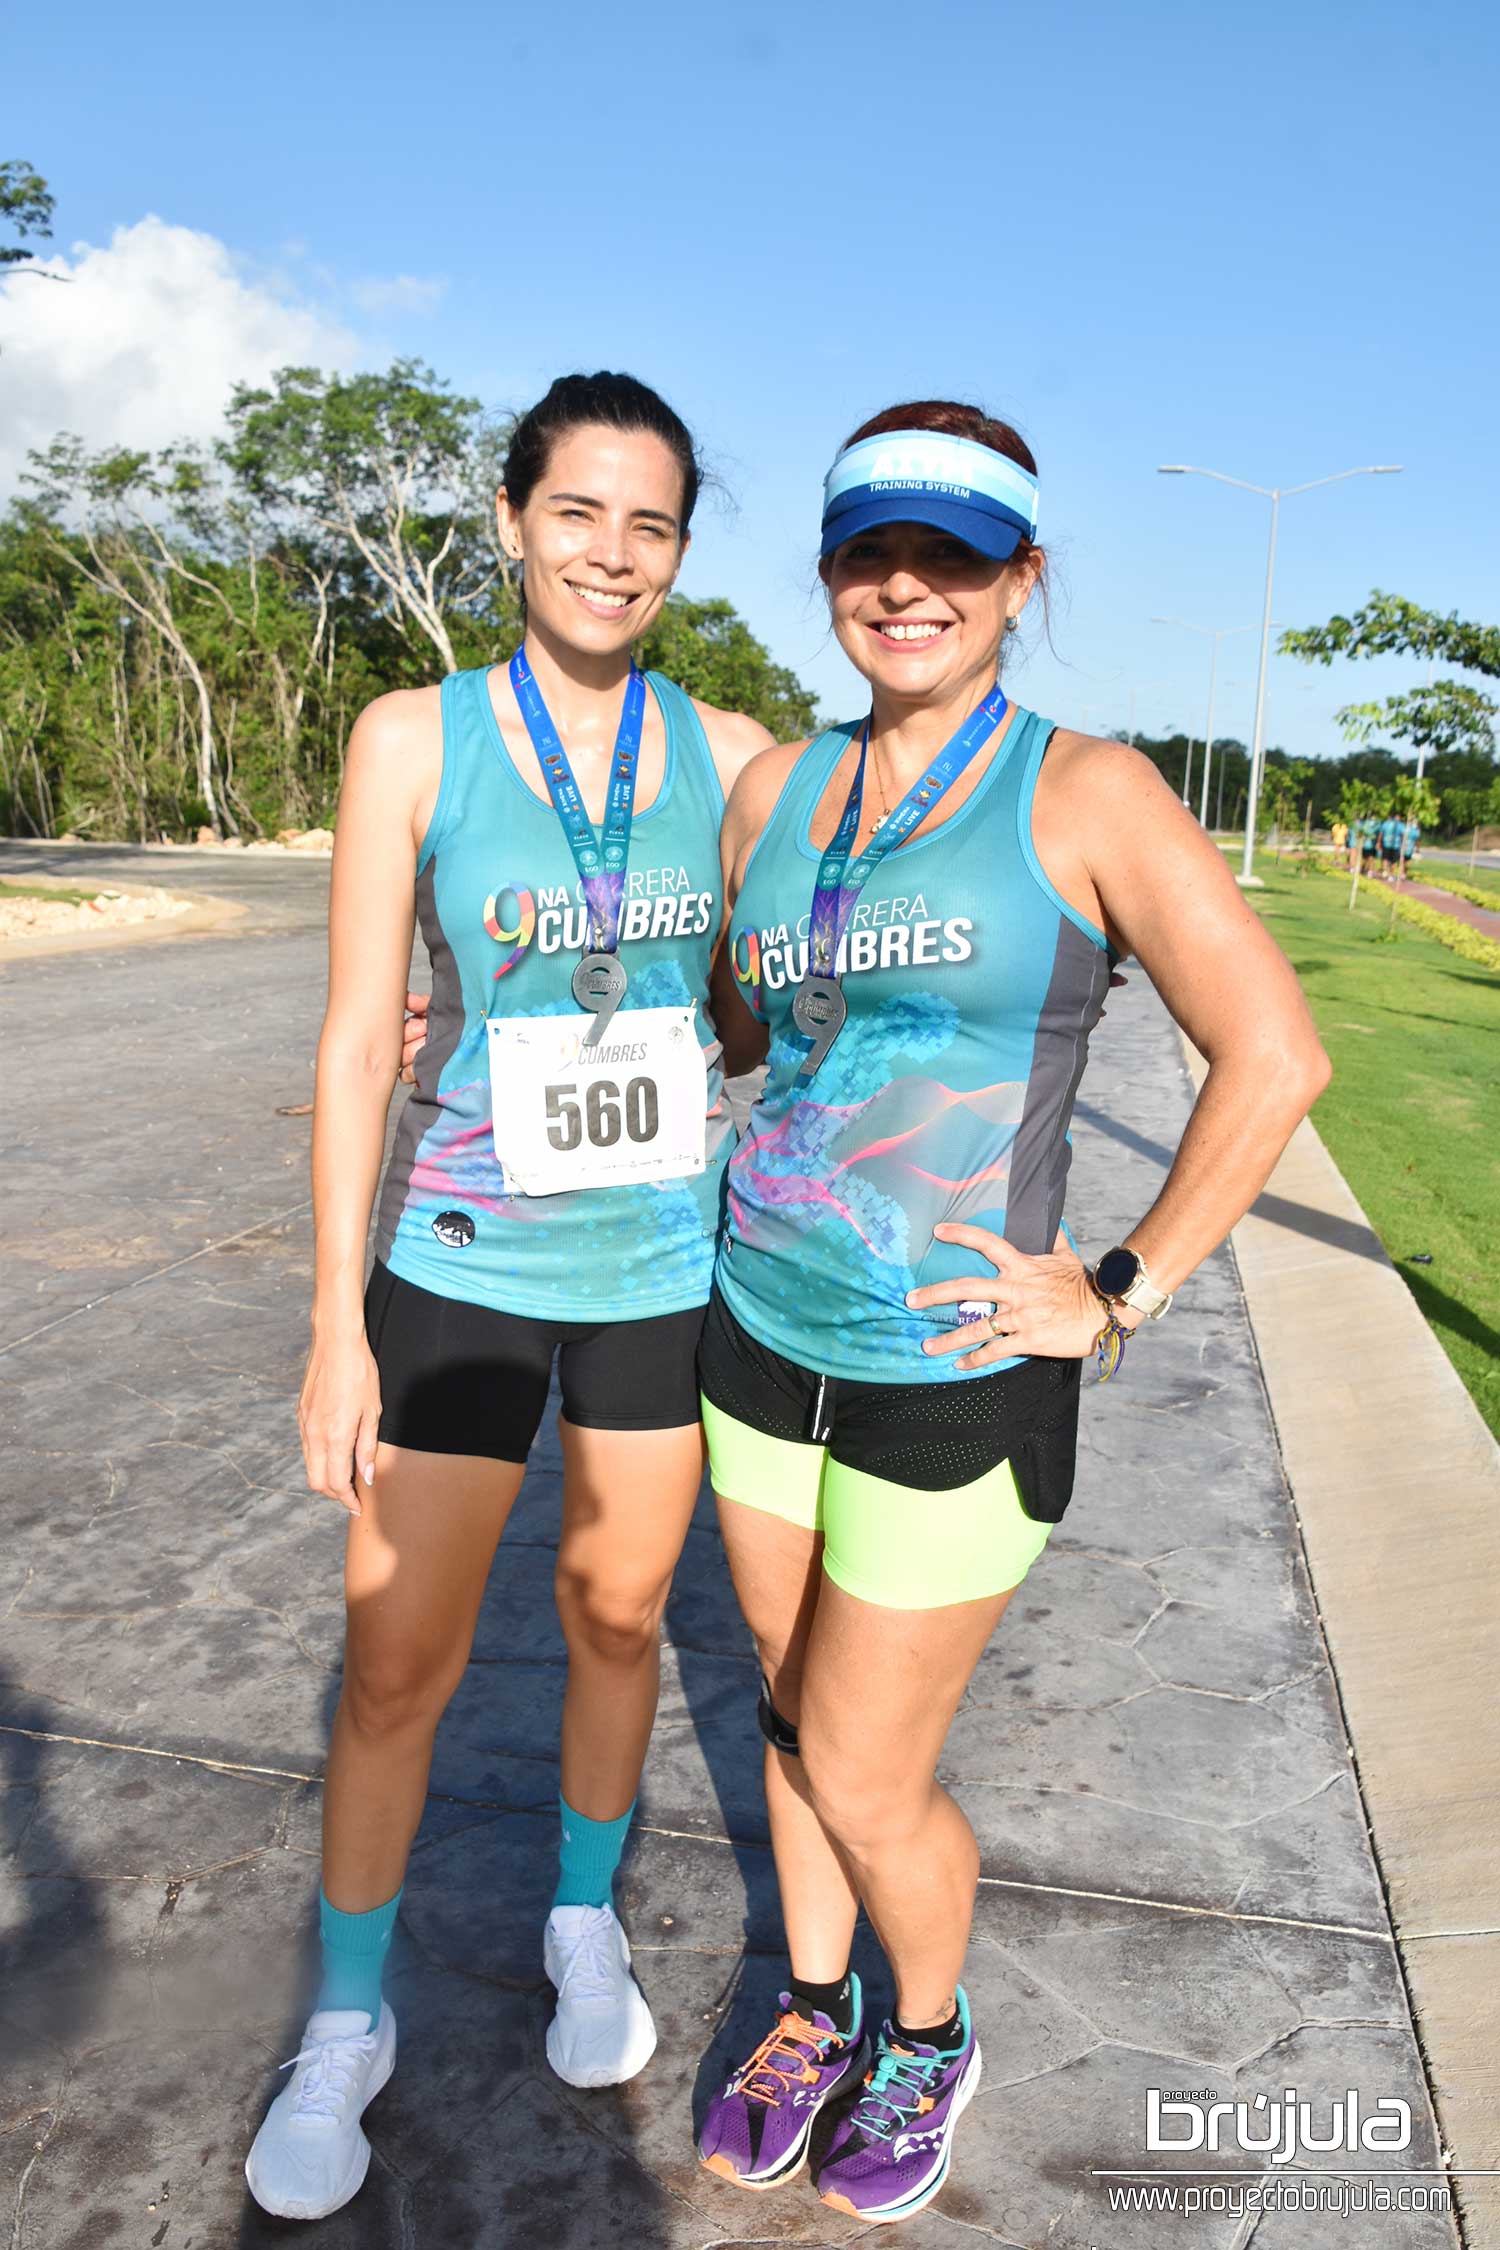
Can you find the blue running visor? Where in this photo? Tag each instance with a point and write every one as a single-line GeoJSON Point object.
{"type": "Point", "coordinates": [923, 476]}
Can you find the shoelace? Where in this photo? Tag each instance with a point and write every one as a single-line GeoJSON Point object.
{"type": "Point", "coordinates": [761, 2075]}
{"type": "Point", "coordinates": [331, 2064]}
{"type": "Point", "coordinates": [592, 1966]}
{"type": "Point", "coordinates": [892, 2070]}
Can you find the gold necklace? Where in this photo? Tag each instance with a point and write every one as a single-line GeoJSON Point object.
{"type": "Point", "coordinates": [885, 810]}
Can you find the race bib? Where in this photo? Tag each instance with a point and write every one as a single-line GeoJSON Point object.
{"type": "Point", "coordinates": [567, 1116]}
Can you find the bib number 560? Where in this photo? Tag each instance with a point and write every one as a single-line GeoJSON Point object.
{"type": "Point", "coordinates": [603, 1111]}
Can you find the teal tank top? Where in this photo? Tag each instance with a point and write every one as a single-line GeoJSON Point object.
{"type": "Point", "coordinates": [495, 859]}
{"type": "Point", "coordinates": [972, 987]}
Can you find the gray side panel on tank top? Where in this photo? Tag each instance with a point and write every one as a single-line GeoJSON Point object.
{"type": "Point", "coordinates": [445, 1024]}
{"type": "Point", "coordinates": [1040, 1154]}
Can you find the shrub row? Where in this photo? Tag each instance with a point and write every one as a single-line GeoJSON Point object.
{"type": "Point", "coordinates": [1438, 879]}
{"type": "Point", "coordinates": [1459, 937]}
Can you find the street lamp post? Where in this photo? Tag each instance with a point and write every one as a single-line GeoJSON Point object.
{"type": "Point", "coordinates": [1275, 494]}
{"type": "Point", "coordinates": [1214, 633]}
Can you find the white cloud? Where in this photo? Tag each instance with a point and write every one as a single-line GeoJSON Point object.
{"type": "Point", "coordinates": [401, 293]}
{"type": "Point", "coordinates": [144, 342]}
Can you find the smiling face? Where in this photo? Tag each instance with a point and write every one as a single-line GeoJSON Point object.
{"type": "Point", "coordinates": [600, 537]}
{"type": "Point", "coordinates": [921, 615]}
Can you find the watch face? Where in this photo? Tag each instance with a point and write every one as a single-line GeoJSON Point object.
{"type": "Point", "coordinates": [1116, 1271]}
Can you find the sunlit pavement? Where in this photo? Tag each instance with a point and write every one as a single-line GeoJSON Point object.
{"type": "Point", "coordinates": [1179, 1891]}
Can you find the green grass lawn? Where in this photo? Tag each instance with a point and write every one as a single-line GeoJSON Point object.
{"type": "Point", "coordinates": [1482, 878]}
{"type": "Point", "coordinates": [9, 889]}
{"type": "Point", "coordinates": [1411, 1117]}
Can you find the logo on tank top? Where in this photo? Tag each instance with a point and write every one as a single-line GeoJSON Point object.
{"type": "Point", "coordinates": [454, 1229]}
{"type": "Point", "coordinates": [660, 902]}
{"type": "Point", "coordinates": [510, 919]}
{"type": "Point", "coordinates": [894, 933]}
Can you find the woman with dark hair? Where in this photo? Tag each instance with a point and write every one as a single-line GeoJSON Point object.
{"type": "Point", "coordinates": [553, 1192]}
{"type": "Point", "coordinates": [925, 909]}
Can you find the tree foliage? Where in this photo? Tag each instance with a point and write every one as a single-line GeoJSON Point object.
{"type": "Point", "coordinates": [1391, 626]}
{"type": "Point", "coordinates": [1444, 715]}
{"type": "Point", "coordinates": [26, 206]}
{"type": "Point", "coordinates": [1464, 781]}
{"type": "Point", "coordinates": [711, 652]}
{"type": "Point", "coordinates": [187, 636]}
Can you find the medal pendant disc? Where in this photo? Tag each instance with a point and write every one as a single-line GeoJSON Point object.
{"type": "Point", "coordinates": [819, 1012]}
{"type": "Point", "coordinates": [599, 983]}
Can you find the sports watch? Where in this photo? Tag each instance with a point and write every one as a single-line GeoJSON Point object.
{"type": "Point", "coordinates": [1120, 1279]}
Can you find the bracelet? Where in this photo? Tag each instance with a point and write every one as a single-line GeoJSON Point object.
{"type": "Point", "coordinates": [1110, 1345]}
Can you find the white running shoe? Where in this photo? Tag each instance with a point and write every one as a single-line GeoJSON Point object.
{"type": "Point", "coordinates": [602, 2032]}
{"type": "Point", "coordinates": [310, 2156]}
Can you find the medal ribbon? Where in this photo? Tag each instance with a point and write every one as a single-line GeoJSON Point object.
{"type": "Point", "coordinates": [839, 884]}
{"type": "Point", "coordinates": [600, 860]}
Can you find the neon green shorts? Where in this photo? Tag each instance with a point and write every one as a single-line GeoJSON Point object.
{"type": "Point", "coordinates": [884, 1543]}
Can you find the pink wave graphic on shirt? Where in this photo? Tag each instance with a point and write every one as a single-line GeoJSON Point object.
{"type": "Point", "coordinates": [806, 1140]}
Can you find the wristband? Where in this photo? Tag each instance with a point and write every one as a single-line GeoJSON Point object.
{"type": "Point", "coordinates": [1109, 1344]}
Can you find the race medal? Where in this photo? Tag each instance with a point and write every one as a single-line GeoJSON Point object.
{"type": "Point", "coordinates": [575, 1108]}
{"type": "Point", "coordinates": [818, 1012]}
{"type": "Point", "coordinates": [599, 980]}
{"type": "Point", "coordinates": [599, 983]}
{"type": "Point", "coordinates": [820, 1009]}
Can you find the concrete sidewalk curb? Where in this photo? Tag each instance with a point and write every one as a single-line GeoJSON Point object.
{"type": "Point", "coordinates": [1396, 1483]}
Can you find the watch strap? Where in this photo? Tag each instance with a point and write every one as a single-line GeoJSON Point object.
{"type": "Point", "coordinates": [1143, 1296]}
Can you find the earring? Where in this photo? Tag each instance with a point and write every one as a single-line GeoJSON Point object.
{"type": "Point", "coordinates": [1013, 624]}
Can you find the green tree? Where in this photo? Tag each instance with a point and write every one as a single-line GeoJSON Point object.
{"type": "Point", "coordinates": [1446, 714]}
{"type": "Point", "coordinates": [186, 636]}
{"type": "Point", "coordinates": [710, 650]}
{"type": "Point", "coordinates": [126, 551]}
{"type": "Point", "coordinates": [393, 469]}
{"type": "Point", "coordinates": [1287, 788]}
{"type": "Point", "coordinates": [26, 206]}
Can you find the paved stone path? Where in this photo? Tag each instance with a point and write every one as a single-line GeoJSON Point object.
{"type": "Point", "coordinates": [1480, 918]}
{"type": "Point", "coordinates": [1178, 1889]}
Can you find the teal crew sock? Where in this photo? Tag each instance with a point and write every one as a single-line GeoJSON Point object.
{"type": "Point", "coordinates": [354, 1951]}
{"type": "Point", "coordinates": [587, 1857]}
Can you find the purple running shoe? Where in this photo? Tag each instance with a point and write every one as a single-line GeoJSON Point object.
{"type": "Point", "coordinates": [889, 2157]}
{"type": "Point", "coordinates": [756, 2131]}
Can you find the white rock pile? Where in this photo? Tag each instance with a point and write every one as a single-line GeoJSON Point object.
{"type": "Point", "coordinates": [58, 917]}
{"type": "Point", "coordinates": [287, 840]}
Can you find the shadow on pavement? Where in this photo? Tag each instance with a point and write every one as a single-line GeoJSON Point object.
{"type": "Point", "coordinates": [53, 1963]}
{"type": "Point", "coordinates": [1297, 1218]}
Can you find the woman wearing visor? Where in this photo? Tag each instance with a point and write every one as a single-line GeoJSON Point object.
{"type": "Point", "coordinates": [926, 905]}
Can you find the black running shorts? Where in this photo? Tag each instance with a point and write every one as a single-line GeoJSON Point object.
{"type": "Point", "coordinates": [461, 1378]}
{"type": "Point", "coordinates": [932, 1437]}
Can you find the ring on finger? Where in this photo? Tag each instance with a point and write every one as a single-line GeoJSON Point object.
{"type": "Point", "coordinates": [995, 1324]}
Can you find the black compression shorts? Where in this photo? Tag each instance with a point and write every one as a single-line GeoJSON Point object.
{"type": "Point", "coordinates": [461, 1378]}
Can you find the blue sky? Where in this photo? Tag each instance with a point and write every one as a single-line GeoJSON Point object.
{"type": "Point", "coordinates": [1259, 239]}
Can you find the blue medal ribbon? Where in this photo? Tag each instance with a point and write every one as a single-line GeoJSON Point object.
{"type": "Point", "coordinates": [601, 860]}
{"type": "Point", "coordinates": [839, 884]}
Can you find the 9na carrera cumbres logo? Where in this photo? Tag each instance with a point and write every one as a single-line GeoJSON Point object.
{"type": "Point", "coordinates": [1281, 2129]}
{"type": "Point", "coordinates": [659, 902]}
